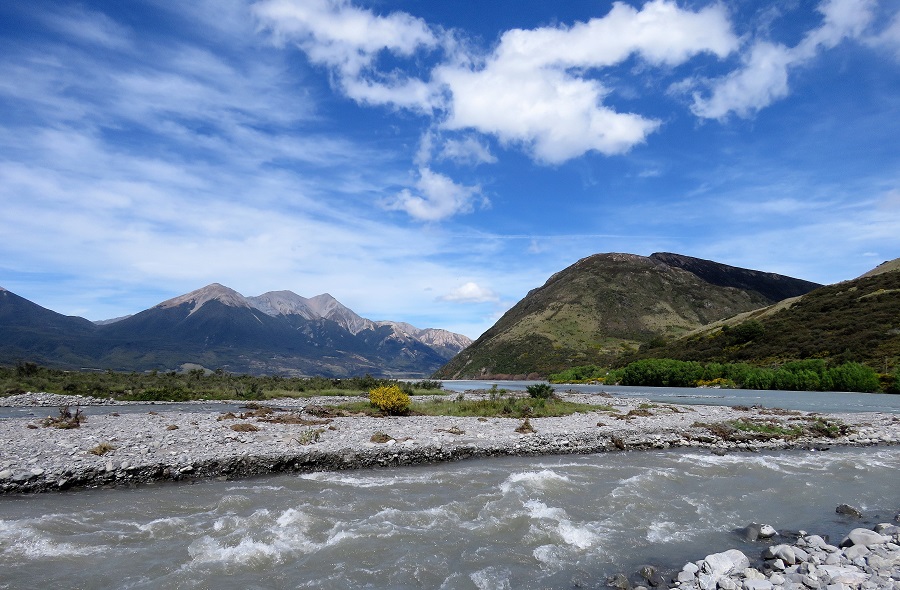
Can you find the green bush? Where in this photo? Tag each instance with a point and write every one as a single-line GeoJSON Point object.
{"type": "Point", "coordinates": [390, 399]}
{"type": "Point", "coordinates": [853, 377]}
{"type": "Point", "coordinates": [540, 391]}
{"type": "Point", "coordinates": [662, 373]}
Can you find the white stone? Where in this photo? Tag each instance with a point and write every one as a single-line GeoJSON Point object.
{"type": "Point", "coordinates": [727, 562]}
{"type": "Point", "coordinates": [864, 537]}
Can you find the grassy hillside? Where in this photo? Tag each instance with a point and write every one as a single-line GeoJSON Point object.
{"type": "Point", "coordinates": [856, 320]}
{"type": "Point", "coordinates": [609, 304]}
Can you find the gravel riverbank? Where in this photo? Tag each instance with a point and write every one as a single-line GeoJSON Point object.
{"type": "Point", "coordinates": [128, 449]}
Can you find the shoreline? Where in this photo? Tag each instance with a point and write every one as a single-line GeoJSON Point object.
{"type": "Point", "coordinates": [142, 448]}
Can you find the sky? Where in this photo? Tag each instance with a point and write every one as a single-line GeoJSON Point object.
{"type": "Point", "coordinates": [432, 162]}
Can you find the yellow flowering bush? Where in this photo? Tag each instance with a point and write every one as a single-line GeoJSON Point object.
{"type": "Point", "coordinates": [390, 399]}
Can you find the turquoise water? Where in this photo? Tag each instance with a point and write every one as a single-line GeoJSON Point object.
{"type": "Point", "coordinates": [513, 522]}
{"type": "Point", "coordinates": [807, 401]}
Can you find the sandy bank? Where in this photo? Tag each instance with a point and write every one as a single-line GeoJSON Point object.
{"type": "Point", "coordinates": [174, 446]}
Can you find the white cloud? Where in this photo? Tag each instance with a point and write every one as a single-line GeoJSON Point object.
{"type": "Point", "coordinates": [87, 26]}
{"type": "Point", "coordinates": [336, 34]}
{"type": "Point", "coordinates": [889, 38]}
{"type": "Point", "coordinates": [468, 150]}
{"type": "Point", "coordinates": [471, 292]}
{"type": "Point", "coordinates": [437, 197]}
{"type": "Point", "coordinates": [763, 79]}
{"type": "Point", "coordinates": [533, 91]}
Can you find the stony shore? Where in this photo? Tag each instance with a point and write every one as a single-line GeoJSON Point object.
{"type": "Point", "coordinates": [125, 449]}
{"type": "Point", "coordinates": [865, 559]}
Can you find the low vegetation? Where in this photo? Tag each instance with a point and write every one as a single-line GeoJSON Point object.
{"type": "Point", "coordinates": [745, 429]}
{"type": "Point", "coordinates": [191, 385]}
{"type": "Point", "coordinates": [495, 406]}
{"type": "Point", "coordinates": [807, 375]}
{"type": "Point", "coordinates": [65, 419]}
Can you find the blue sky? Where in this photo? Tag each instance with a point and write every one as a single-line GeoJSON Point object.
{"type": "Point", "coordinates": [431, 162]}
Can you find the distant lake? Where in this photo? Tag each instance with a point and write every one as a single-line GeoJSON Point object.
{"type": "Point", "coordinates": [807, 401]}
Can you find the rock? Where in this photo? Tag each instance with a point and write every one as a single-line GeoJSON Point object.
{"type": "Point", "coordinates": [708, 581]}
{"type": "Point", "coordinates": [783, 552]}
{"type": "Point", "coordinates": [6, 474]}
{"type": "Point", "coordinates": [727, 562]}
{"type": "Point", "coordinates": [848, 510]}
{"type": "Point", "coordinates": [652, 575]}
{"type": "Point", "coordinates": [619, 581]}
{"type": "Point", "coordinates": [886, 528]}
{"type": "Point", "coordinates": [855, 552]}
{"type": "Point", "coordinates": [754, 531]}
{"type": "Point", "coordinates": [757, 585]}
{"type": "Point", "coordinates": [864, 537]}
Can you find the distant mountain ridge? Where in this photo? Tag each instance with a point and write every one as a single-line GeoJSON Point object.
{"type": "Point", "coordinates": [217, 327]}
{"type": "Point", "coordinates": [607, 304]}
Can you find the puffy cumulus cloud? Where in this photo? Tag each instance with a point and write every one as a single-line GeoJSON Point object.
{"type": "Point", "coordinates": [471, 292]}
{"type": "Point", "coordinates": [435, 197]}
{"type": "Point", "coordinates": [554, 114]}
{"type": "Point", "coordinates": [661, 32]}
{"type": "Point", "coordinates": [336, 34]}
{"type": "Point", "coordinates": [533, 89]}
{"type": "Point", "coordinates": [763, 77]}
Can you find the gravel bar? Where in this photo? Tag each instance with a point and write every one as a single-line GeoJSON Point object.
{"type": "Point", "coordinates": [111, 450]}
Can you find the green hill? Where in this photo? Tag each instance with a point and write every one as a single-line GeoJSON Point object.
{"type": "Point", "coordinates": [856, 320]}
{"type": "Point", "coordinates": [607, 304]}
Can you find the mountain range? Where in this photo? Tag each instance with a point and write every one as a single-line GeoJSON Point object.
{"type": "Point", "coordinates": [607, 305]}
{"type": "Point", "coordinates": [216, 327]}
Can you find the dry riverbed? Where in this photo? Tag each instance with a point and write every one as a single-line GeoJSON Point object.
{"type": "Point", "coordinates": [127, 449]}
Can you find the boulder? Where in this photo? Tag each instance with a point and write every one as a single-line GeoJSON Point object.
{"type": "Point", "coordinates": [725, 563]}
{"type": "Point", "coordinates": [886, 528]}
{"type": "Point", "coordinates": [755, 530]}
{"type": "Point", "coordinates": [848, 510]}
{"type": "Point", "coordinates": [783, 552]}
{"type": "Point", "coordinates": [864, 537]}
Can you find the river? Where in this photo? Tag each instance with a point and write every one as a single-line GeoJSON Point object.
{"type": "Point", "coordinates": [514, 522]}
{"type": "Point", "coordinates": [807, 401]}
{"type": "Point", "coordinates": [556, 522]}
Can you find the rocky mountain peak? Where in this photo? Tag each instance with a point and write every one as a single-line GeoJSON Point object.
{"type": "Point", "coordinates": [200, 297]}
{"type": "Point", "coordinates": [275, 303]}
{"type": "Point", "coordinates": [331, 309]}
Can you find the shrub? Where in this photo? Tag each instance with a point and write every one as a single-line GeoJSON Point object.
{"type": "Point", "coordinates": [540, 391]}
{"type": "Point", "coordinates": [853, 377]}
{"type": "Point", "coordinates": [390, 399]}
